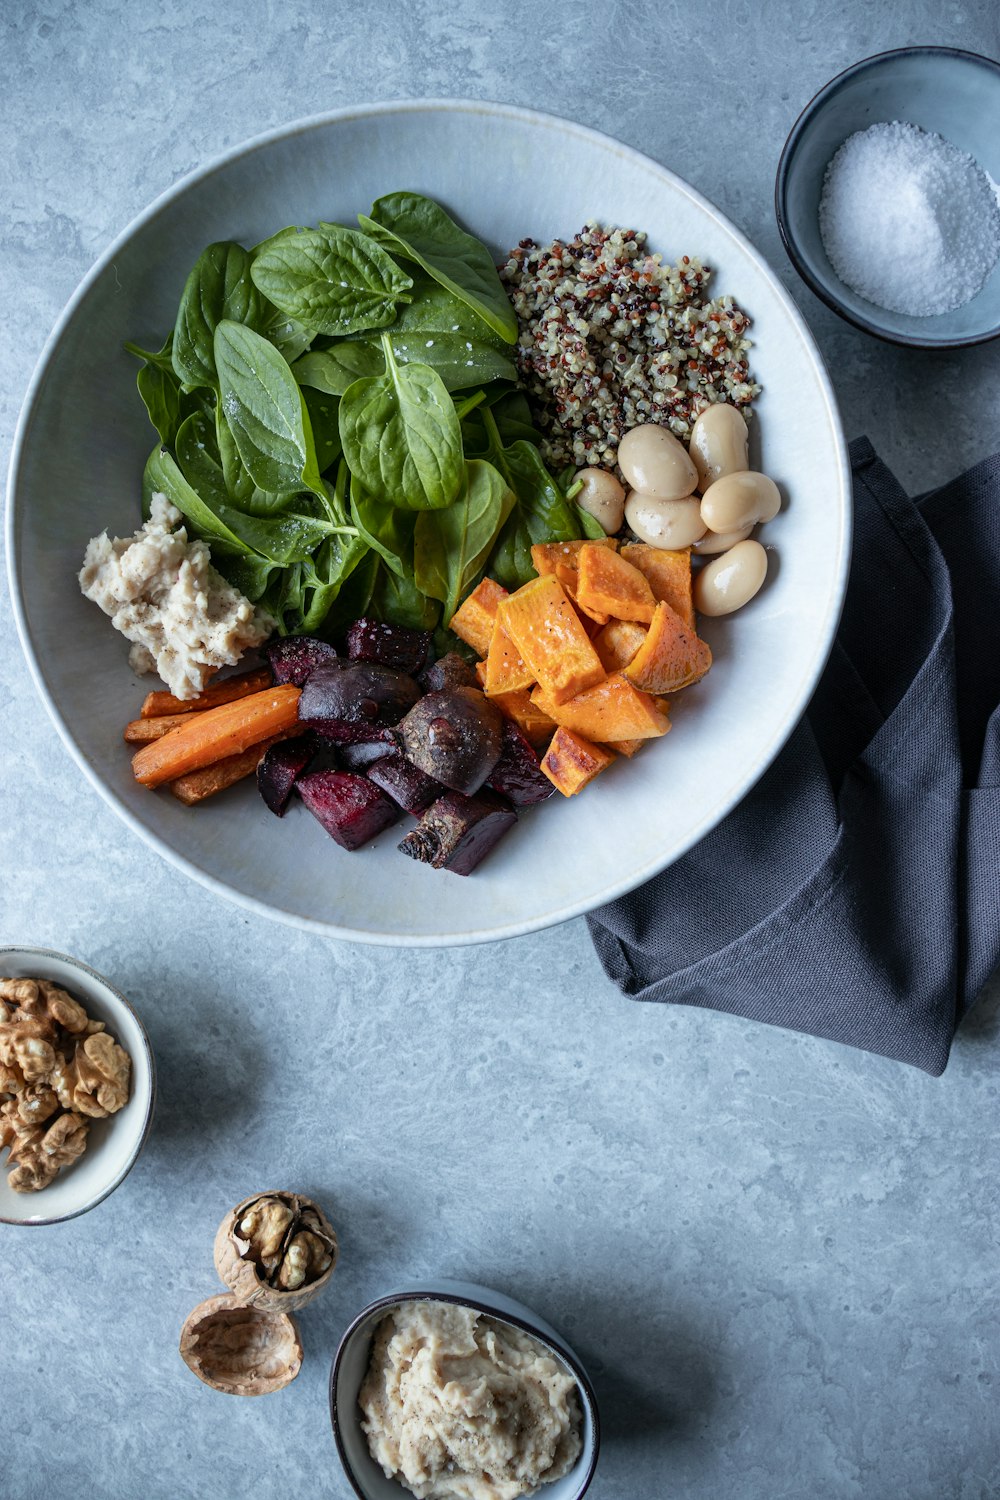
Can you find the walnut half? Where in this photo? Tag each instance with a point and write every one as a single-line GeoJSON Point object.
{"type": "Point", "coordinates": [276, 1250]}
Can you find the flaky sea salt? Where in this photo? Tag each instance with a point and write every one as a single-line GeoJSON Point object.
{"type": "Point", "coordinates": [908, 220]}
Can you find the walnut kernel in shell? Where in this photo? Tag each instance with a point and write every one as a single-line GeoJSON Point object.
{"type": "Point", "coordinates": [239, 1349]}
{"type": "Point", "coordinates": [276, 1250]}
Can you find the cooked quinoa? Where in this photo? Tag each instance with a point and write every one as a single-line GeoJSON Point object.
{"type": "Point", "coordinates": [610, 337]}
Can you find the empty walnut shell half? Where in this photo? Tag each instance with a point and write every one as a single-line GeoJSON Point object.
{"type": "Point", "coordinates": [276, 1250]}
{"type": "Point", "coordinates": [240, 1350]}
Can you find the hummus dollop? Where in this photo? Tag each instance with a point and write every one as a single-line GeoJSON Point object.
{"type": "Point", "coordinates": [458, 1406]}
{"type": "Point", "coordinates": [183, 619]}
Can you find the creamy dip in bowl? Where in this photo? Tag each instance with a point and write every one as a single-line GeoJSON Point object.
{"type": "Point", "coordinates": [452, 1391]}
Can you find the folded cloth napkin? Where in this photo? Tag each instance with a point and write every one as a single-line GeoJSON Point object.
{"type": "Point", "coordinates": [855, 892]}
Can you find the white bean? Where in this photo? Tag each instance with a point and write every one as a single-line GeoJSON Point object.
{"type": "Point", "coordinates": [656, 464]}
{"type": "Point", "coordinates": [729, 581]}
{"type": "Point", "coordinates": [720, 541]}
{"type": "Point", "coordinates": [664, 523]}
{"type": "Point", "coordinates": [738, 500]}
{"type": "Point", "coordinates": [719, 443]}
{"type": "Point", "coordinates": [601, 497]}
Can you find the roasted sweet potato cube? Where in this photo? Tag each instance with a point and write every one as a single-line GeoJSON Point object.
{"type": "Point", "coordinates": [571, 761]}
{"type": "Point", "coordinates": [535, 725]}
{"type": "Point", "coordinates": [668, 574]}
{"type": "Point", "coordinates": [547, 632]}
{"type": "Point", "coordinates": [607, 584]}
{"type": "Point", "coordinates": [617, 643]}
{"type": "Point", "coordinates": [610, 710]}
{"type": "Point", "coordinates": [475, 617]}
{"type": "Point", "coordinates": [670, 658]}
{"type": "Point", "coordinates": [628, 747]}
{"type": "Point", "coordinates": [506, 670]}
{"type": "Point", "coordinates": [558, 557]}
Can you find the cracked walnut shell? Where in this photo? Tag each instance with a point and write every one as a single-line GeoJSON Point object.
{"type": "Point", "coordinates": [239, 1349]}
{"type": "Point", "coordinates": [276, 1250]}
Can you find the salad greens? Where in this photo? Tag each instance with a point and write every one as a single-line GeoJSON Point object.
{"type": "Point", "coordinates": [337, 416]}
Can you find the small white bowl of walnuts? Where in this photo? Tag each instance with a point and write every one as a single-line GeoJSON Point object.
{"type": "Point", "coordinates": [76, 1087]}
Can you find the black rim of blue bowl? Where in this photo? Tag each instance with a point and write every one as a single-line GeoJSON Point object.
{"type": "Point", "coordinates": [383, 1304]}
{"type": "Point", "coordinates": [911, 341]}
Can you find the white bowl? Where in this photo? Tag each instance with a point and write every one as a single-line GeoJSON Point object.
{"type": "Point", "coordinates": [83, 439]}
{"type": "Point", "coordinates": [113, 1143]}
{"type": "Point", "coordinates": [350, 1363]}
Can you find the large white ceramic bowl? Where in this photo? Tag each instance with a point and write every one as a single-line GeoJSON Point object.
{"type": "Point", "coordinates": [350, 1365]}
{"type": "Point", "coordinates": [113, 1144]}
{"type": "Point", "coordinates": [83, 439]}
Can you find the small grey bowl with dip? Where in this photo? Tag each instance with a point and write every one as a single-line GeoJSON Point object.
{"type": "Point", "coordinates": [350, 1366]}
{"type": "Point", "coordinates": [946, 92]}
{"type": "Point", "coordinates": [113, 1143]}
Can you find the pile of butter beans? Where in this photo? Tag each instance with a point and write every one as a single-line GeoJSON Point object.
{"type": "Point", "coordinates": [705, 497]}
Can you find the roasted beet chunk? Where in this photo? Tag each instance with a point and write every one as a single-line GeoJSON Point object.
{"type": "Point", "coordinates": [517, 775]}
{"type": "Point", "coordinates": [389, 645]}
{"type": "Point", "coordinates": [454, 736]}
{"type": "Point", "coordinates": [456, 832]}
{"type": "Point", "coordinates": [405, 784]}
{"type": "Point", "coordinates": [348, 702]}
{"type": "Point", "coordinates": [293, 657]}
{"type": "Point", "coordinates": [350, 808]}
{"type": "Point", "coordinates": [448, 671]}
{"type": "Point", "coordinates": [280, 768]}
{"type": "Point", "coordinates": [360, 755]}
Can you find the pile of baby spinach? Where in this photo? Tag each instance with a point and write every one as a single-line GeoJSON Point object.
{"type": "Point", "coordinates": [339, 419]}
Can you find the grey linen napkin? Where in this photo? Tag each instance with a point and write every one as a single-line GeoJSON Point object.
{"type": "Point", "coordinates": [855, 893]}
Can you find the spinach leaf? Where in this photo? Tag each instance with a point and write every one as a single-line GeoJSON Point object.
{"type": "Point", "coordinates": [435, 329]}
{"type": "Point", "coordinates": [401, 436]}
{"type": "Point", "coordinates": [265, 411]}
{"type": "Point", "coordinates": [161, 358]}
{"type": "Point", "coordinates": [162, 476]}
{"type": "Point", "coordinates": [238, 482]}
{"type": "Point", "coordinates": [197, 454]}
{"type": "Point", "coordinates": [451, 546]}
{"type": "Point", "coordinates": [418, 229]}
{"type": "Point", "coordinates": [161, 394]}
{"type": "Point", "coordinates": [400, 602]}
{"type": "Point", "coordinates": [219, 287]}
{"type": "Point", "coordinates": [386, 528]}
{"type": "Point", "coordinates": [251, 575]}
{"type": "Point", "coordinates": [332, 280]}
{"type": "Point", "coordinates": [287, 537]}
{"type": "Point", "coordinates": [352, 598]}
{"type": "Point", "coordinates": [325, 575]}
{"type": "Point", "coordinates": [325, 424]}
{"type": "Point", "coordinates": [542, 513]}
{"type": "Point", "coordinates": [333, 370]}
{"type": "Point", "coordinates": [159, 388]}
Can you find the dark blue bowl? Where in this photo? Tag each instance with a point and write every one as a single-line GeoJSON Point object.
{"type": "Point", "coordinates": [955, 94]}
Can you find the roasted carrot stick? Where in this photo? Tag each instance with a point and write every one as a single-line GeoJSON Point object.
{"type": "Point", "coordinates": [217, 733]}
{"type": "Point", "coordinates": [141, 731]}
{"type": "Point", "coordinates": [226, 691]}
{"type": "Point", "coordinates": [197, 785]}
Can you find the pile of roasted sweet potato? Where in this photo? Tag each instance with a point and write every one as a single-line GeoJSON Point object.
{"type": "Point", "coordinates": [580, 658]}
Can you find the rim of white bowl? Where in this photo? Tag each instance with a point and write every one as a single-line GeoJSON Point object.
{"type": "Point", "coordinates": [99, 982]}
{"type": "Point", "coordinates": [824, 639]}
{"type": "Point", "coordinates": [457, 1299]}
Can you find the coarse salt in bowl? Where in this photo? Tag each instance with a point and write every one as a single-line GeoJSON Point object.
{"type": "Point", "coordinates": [886, 196]}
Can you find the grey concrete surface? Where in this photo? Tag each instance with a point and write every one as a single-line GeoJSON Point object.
{"type": "Point", "coordinates": [777, 1256]}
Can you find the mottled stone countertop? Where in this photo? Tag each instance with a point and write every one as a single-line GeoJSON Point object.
{"type": "Point", "coordinates": [777, 1256]}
